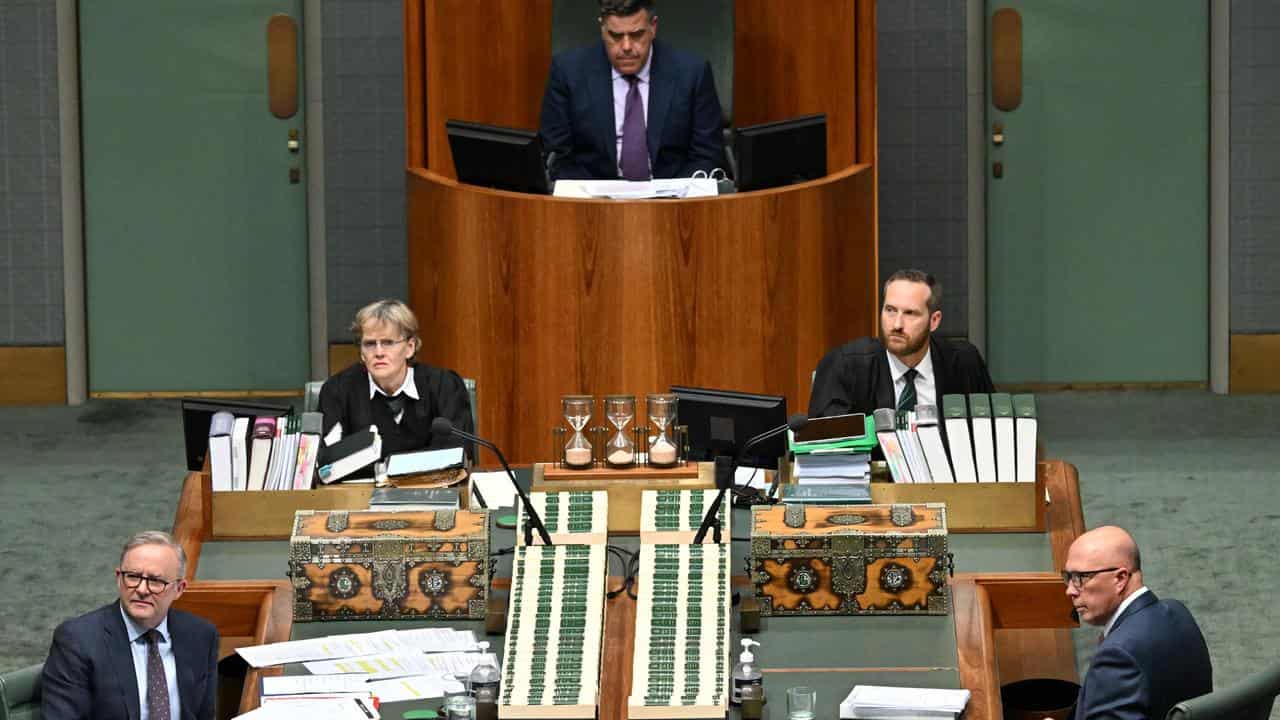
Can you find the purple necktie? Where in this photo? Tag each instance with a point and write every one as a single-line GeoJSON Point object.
{"type": "Point", "coordinates": [157, 685]}
{"type": "Point", "coordinates": [635, 148]}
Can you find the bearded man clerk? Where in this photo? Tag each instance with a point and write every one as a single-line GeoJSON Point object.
{"type": "Point", "coordinates": [135, 659]}
{"type": "Point", "coordinates": [631, 107]}
{"type": "Point", "coordinates": [1152, 654]}
{"type": "Point", "coordinates": [906, 366]}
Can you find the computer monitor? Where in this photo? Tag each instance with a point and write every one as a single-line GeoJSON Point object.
{"type": "Point", "coordinates": [781, 153]}
{"type": "Point", "coordinates": [497, 157]}
{"type": "Point", "coordinates": [720, 422]}
{"type": "Point", "coordinates": [197, 414]}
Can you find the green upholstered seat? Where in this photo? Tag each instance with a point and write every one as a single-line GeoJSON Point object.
{"type": "Point", "coordinates": [1249, 699]}
{"type": "Point", "coordinates": [20, 693]}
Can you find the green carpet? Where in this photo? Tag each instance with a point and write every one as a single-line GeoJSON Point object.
{"type": "Point", "coordinates": [1190, 473]}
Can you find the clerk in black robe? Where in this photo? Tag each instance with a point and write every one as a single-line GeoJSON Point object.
{"type": "Point", "coordinates": [906, 366]}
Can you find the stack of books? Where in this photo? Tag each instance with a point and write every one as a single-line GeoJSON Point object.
{"type": "Point", "coordinates": [264, 452]}
{"type": "Point", "coordinates": [866, 702]}
{"type": "Point", "coordinates": [975, 438]}
{"type": "Point", "coordinates": [832, 460]}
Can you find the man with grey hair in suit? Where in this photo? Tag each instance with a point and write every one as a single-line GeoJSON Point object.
{"type": "Point", "coordinates": [135, 658]}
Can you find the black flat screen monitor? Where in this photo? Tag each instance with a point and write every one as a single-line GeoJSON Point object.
{"type": "Point", "coordinates": [497, 157]}
{"type": "Point", "coordinates": [197, 414]}
{"type": "Point", "coordinates": [781, 153]}
{"type": "Point", "coordinates": [720, 422]}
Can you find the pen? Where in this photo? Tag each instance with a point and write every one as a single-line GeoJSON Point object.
{"type": "Point", "coordinates": [363, 709]}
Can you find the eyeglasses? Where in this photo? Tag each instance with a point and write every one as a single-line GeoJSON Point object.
{"type": "Point", "coordinates": [385, 344]}
{"type": "Point", "coordinates": [154, 584]}
{"type": "Point", "coordinates": [1077, 578]}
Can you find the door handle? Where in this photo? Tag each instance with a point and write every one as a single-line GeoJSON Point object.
{"type": "Point", "coordinates": [294, 142]}
{"type": "Point", "coordinates": [997, 134]}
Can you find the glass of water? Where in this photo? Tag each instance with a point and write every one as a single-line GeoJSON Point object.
{"type": "Point", "coordinates": [801, 702]}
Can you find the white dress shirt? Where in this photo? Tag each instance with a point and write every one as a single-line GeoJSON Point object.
{"type": "Point", "coordinates": [138, 646]}
{"type": "Point", "coordinates": [620, 89]}
{"type": "Point", "coordinates": [926, 389]}
{"type": "Point", "coordinates": [1123, 604]}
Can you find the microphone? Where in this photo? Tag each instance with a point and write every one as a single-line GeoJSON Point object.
{"type": "Point", "coordinates": [442, 426]}
{"type": "Point", "coordinates": [795, 423]}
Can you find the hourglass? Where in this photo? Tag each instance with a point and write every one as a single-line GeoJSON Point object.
{"type": "Point", "coordinates": [620, 410]}
{"type": "Point", "coordinates": [661, 408]}
{"type": "Point", "coordinates": [577, 412]}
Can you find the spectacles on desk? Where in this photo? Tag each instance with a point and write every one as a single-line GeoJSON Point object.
{"type": "Point", "coordinates": [132, 580]}
{"type": "Point", "coordinates": [1077, 578]}
{"type": "Point", "coordinates": [385, 344]}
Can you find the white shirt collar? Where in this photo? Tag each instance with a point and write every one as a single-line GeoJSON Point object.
{"type": "Point", "coordinates": [408, 387]}
{"type": "Point", "coordinates": [644, 71]}
{"type": "Point", "coordinates": [898, 368]}
{"type": "Point", "coordinates": [135, 630]}
{"type": "Point", "coordinates": [1120, 610]}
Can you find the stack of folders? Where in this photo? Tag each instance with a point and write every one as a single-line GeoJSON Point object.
{"type": "Point", "coordinates": [832, 460]}
{"type": "Point", "coordinates": [978, 438]}
{"type": "Point", "coordinates": [263, 453]}
{"type": "Point", "coordinates": [395, 499]}
{"type": "Point", "coordinates": [867, 702]}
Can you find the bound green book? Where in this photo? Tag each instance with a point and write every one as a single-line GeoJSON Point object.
{"type": "Point", "coordinates": [1006, 449]}
{"type": "Point", "coordinates": [1024, 410]}
{"type": "Point", "coordinates": [954, 406]}
{"type": "Point", "coordinates": [984, 444]}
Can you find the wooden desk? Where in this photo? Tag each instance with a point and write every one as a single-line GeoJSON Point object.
{"type": "Point", "coordinates": [538, 297]}
{"type": "Point", "coordinates": [1005, 625]}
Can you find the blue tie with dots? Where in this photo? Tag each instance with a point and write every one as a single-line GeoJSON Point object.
{"type": "Point", "coordinates": [157, 686]}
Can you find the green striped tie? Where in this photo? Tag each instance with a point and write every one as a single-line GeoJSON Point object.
{"type": "Point", "coordinates": [908, 399]}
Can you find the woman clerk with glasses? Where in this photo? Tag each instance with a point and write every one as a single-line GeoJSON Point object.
{"type": "Point", "coordinates": [388, 389]}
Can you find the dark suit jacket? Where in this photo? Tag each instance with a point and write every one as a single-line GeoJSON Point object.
{"type": "Point", "coordinates": [684, 120]}
{"type": "Point", "coordinates": [89, 672]}
{"type": "Point", "coordinates": [855, 377]}
{"type": "Point", "coordinates": [1153, 658]}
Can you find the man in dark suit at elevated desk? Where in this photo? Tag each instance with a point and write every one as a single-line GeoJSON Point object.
{"type": "Point", "coordinates": [906, 366]}
{"type": "Point", "coordinates": [631, 107]}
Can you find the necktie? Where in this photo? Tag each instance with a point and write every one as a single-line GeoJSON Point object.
{"type": "Point", "coordinates": [157, 687]}
{"type": "Point", "coordinates": [908, 399]}
{"type": "Point", "coordinates": [395, 405]}
{"type": "Point", "coordinates": [635, 147]}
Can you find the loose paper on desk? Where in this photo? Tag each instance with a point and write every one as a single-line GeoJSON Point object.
{"type": "Point", "coordinates": [878, 701]}
{"type": "Point", "coordinates": [496, 488]}
{"type": "Point", "coordinates": [325, 648]}
{"type": "Point", "coordinates": [401, 664]}
{"type": "Point", "coordinates": [334, 709]}
{"type": "Point", "coordinates": [414, 687]}
{"type": "Point", "coordinates": [308, 684]}
{"type": "Point", "coordinates": [432, 640]}
{"type": "Point", "coordinates": [644, 190]}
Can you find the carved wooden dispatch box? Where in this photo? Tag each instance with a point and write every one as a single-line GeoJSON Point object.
{"type": "Point", "coordinates": [850, 560]}
{"type": "Point", "coordinates": [367, 565]}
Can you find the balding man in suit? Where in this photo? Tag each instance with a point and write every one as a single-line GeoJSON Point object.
{"type": "Point", "coordinates": [1152, 654]}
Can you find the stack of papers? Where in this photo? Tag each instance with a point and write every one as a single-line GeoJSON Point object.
{"type": "Point", "coordinates": [326, 708]}
{"type": "Point", "coordinates": [832, 469]}
{"type": "Point", "coordinates": [627, 190]}
{"type": "Point", "coordinates": [874, 702]}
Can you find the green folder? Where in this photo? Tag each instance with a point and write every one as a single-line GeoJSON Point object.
{"type": "Point", "coordinates": [954, 407]}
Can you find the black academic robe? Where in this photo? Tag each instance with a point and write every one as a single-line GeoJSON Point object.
{"type": "Point", "coordinates": [855, 377]}
{"type": "Point", "coordinates": [344, 398]}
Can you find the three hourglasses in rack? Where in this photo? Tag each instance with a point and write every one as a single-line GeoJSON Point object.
{"type": "Point", "coordinates": [619, 441]}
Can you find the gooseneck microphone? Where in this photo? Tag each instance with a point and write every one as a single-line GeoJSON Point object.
{"type": "Point", "coordinates": [443, 426]}
{"type": "Point", "coordinates": [796, 423]}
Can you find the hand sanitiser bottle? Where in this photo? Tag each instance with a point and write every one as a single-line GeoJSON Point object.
{"type": "Point", "coordinates": [746, 672]}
